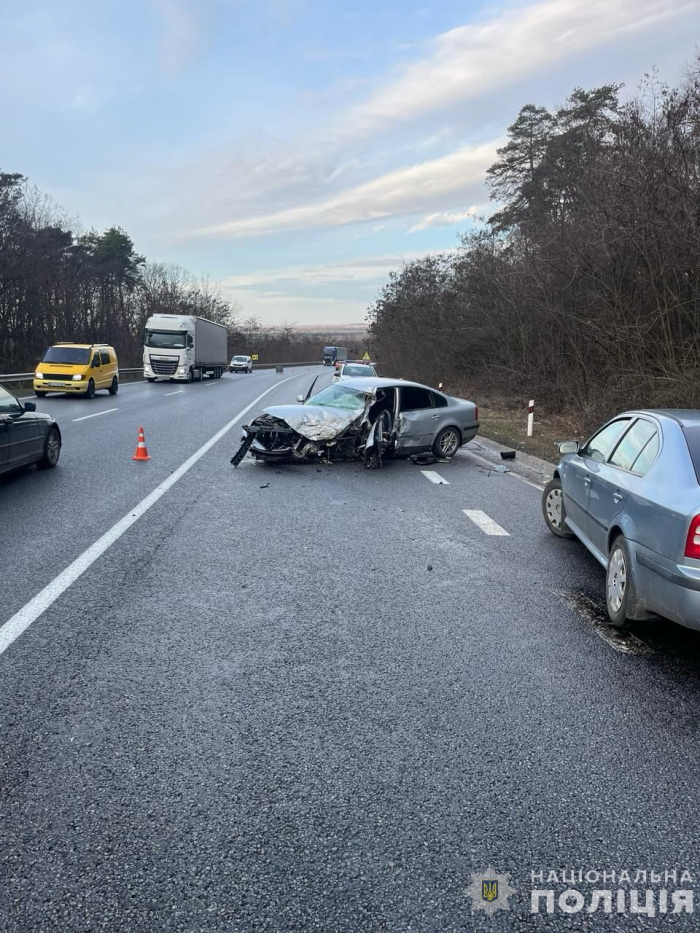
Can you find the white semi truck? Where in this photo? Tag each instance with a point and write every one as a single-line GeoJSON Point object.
{"type": "Point", "coordinates": [183, 347]}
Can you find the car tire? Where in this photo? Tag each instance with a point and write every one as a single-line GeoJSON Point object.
{"type": "Point", "coordinates": [52, 450]}
{"type": "Point", "coordinates": [554, 511]}
{"type": "Point", "coordinates": [447, 443]}
{"type": "Point", "coordinates": [620, 592]}
{"type": "Point", "coordinates": [90, 391]}
{"type": "Point", "coordinates": [150, 379]}
{"type": "Point", "coordinates": [39, 394]}
{"type": "Point", "coordinates": [114, 388]}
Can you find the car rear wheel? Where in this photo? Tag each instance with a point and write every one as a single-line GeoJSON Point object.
{"type": "Point", "coordinates": [52, 450]}
{"type": "Point", "coordinates": [553, 509]}
{"type": "Point", "coordinates": [447, 443]}
{"type": "Point", "coordinates": [620, 594]}
{"type": "Point", "coordinates": [114, 388]}
{"type": "Point", "coordinates": [90, 391]}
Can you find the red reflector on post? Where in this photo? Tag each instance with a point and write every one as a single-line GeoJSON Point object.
{"type": "Point", "coordinates": [692, 544]}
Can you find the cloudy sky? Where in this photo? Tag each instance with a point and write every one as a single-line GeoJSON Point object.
{"type": "Point", "coordinates": [297, 150]}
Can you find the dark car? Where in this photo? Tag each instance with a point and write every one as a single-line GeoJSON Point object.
{"type": "Point", "coordinates": [26, 435]}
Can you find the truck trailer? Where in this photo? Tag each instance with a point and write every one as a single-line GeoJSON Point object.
{"type": "Point", "coordinates": [183, 348]}
{"type": "Point", "coordinates": [333, 355]}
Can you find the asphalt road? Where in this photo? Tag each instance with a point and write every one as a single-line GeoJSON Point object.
{"type": "Point", "coordinates": [317, 697]}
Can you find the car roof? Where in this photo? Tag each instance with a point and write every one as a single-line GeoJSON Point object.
{"type": "Point", "coordinates": [377, 382]}
{"type": "Point", "coordinates": [685, 416]}
{"type": "Point", "coordinates": [80, 346]}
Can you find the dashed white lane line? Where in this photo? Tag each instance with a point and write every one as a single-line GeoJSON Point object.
{"type": "Point", "coordinates": [492, 465]}
{"type": "Point", "coordinates": [435, 477]}
{"type": "Point", "coordinates": [96, 415]}
{"type": "Point", "coordinates": [176, 392]}
{"type": "Point", "coordinates": [483, 521]}
{"type": "Point", "coordinates": [29, 613]}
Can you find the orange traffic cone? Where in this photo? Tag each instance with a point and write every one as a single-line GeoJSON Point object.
{"type": "Point", "coordinates": [141, 449]}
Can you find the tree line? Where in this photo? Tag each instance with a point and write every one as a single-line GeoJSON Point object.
{"type": "Point", "coordinates": [58, 283]}
{"type": "Point", "coordinates": [582, 288]}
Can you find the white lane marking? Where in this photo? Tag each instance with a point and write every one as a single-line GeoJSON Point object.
{"type": "Point", "coordinates": [176, 392]}
{"type": "Point", "coordinates": [96, 415]}
{"type": "Point", "coordinates": [493, 465]}
{"type": "Point", "coordinates": [483, 521]}
{"type": "Point", "coordinates": [29, 613]}
{"type": "Point", "coordinates": [434, 477]}
{"type": "Point", "coordinates": [529, 482]}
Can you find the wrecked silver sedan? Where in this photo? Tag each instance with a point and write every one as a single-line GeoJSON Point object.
{"type": "Point", "coordinates": [368, 419]}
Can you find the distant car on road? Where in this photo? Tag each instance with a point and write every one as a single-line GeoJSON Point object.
{"type": "Point", "coordinates": [241, 364]}
{"type": "Point", "coordinates": [26, 435]}
{"type": "Point", "coordinates": [365, 418]}
{"type": "Point", "coordinates": [631, 494]}
{"type": "Point", "coordinates": [77, 368]}
{"type": "Point", "coordinates": [351, 370]}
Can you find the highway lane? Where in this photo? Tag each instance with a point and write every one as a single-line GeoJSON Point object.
{"type": "Point", "coordinates": [332, 708]}
{"type": "Point", "coordinates": [49, 517]}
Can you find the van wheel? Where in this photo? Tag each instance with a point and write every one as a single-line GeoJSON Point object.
{"type": "Point", "coordinates": [90, 391]}
{"type": "Point", "coordinates": [39, 394]}
{"type": "Point", "coordinates": [114, 388]}
{"type": "Point", "coordinates": [52, 450]}
{"type": "Point", "coordinates": [620, 594]}
{"type": "Point", "coordinates": [553, 509]}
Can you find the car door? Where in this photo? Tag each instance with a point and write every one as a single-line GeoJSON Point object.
{"type": "Point", "coordinates": [609, 488]}
{"type": "Point", "coordinates": [417, 418]}
{"type": "Point", "coordinates": [96, 369]}
{"type": "Point", "coordinates": [4, 442]}
{"type": "Point", "coordinates": [26, 437]}
{"type": "Point", "coordinates": [579, 469]}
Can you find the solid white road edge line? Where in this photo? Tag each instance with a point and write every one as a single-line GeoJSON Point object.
{"type": "Point", "coordinates": [29, 613]}
{"type": "Point", "coordinates": [434, 477]}
{"type": "Point", "coordinates": [96, 415]}
{"type": "Point", "coordinates": [490, 463]}
{"type": "Point", "coordinates": [482, 520]}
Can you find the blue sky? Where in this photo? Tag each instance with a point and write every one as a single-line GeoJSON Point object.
{"type": "Point", "coordinates": [297, 150]}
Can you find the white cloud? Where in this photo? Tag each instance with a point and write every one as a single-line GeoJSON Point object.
{"type": "Point", "coordinates": [447, 218]}
{"type": "Point", "coordinates": [405, 191]}
{"type": "Point", "coordinates": [474, 60]}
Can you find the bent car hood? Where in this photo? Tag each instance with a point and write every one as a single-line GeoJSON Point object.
{"type": "Point", "coordinates": [313, 422]}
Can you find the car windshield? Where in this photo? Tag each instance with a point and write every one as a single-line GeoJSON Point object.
{"type": "Point", "coordinates": [66, 355]}
{"type": "Point", "coordinates": [357, 370]}
{"type": "Point", "coordinates": [8, 402]}
{"type": "Point", "coordinates": [338, 396]}
{"type": "Point", "coordinates": [166, 340]}
{"type": "Point", "coordinates": [240, 359]}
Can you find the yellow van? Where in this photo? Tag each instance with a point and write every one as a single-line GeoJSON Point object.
{"type": "Point", "coordinates": [81, 368]}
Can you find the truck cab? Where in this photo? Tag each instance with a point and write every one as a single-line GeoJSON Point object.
{"type": "Point", "coordinates": [183, 348]}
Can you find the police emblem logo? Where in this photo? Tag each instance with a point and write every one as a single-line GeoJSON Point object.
{"type": "Point", "coordinates": [490, 891]}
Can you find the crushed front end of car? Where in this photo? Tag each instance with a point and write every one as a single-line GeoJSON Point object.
{"type": "Point", "coordinates": [306, 433]}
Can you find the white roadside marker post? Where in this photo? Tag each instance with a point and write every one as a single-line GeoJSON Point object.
{"type": "Point", "coordinates": [530, 417]}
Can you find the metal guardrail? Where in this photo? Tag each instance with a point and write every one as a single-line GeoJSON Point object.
{"type": "Point", "coordinates": [8, 378]}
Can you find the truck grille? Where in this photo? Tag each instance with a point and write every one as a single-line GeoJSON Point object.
{"type": "Point", "coordinates": [164, 367]}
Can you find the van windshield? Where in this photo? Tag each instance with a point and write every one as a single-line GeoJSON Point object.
{"type": "Point", "coordinates": [166, 340]}
{"type": "Point", "coordinates": [66, 355]}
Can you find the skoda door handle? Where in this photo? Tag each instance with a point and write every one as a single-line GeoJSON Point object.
{"type": "Point", "coordinates": [587, 481]}
{"type": "Point", "coordinates": [617, 496]}
{"type": "Point", "coordinates": [435, 417]}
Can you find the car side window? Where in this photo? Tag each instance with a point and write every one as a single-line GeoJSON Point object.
{"type": "Point", "coordinates": [104, 356]}
{"type": "Point", "coordinates": [600, 445]}
{"type": "Point", "coordinates": [439, 400]}
{"type": "Point", "coordinates": [632, 444]}
{"type": "Point", "coordinates": [647, 456]}
{"type": "Point", "coordinates": [96, 360]}
{"type": "Point", "coordinates": [414, 399]}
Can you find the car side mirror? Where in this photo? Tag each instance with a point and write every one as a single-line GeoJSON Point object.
{"type": "Point", "coordinates": [301, 398]}
{"type": "Point", "coordinates": [29, 406]}
{"type": "Point", "coordinates": [569, 447]}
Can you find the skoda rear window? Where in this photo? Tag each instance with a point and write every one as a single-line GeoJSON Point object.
{"type": "Point", "coordinates": [66, 355]}
{"type": "Point", "coordinates": [692, 438]}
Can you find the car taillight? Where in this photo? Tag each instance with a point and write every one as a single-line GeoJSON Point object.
{"type": "Point", "coordinates": [692, 545]}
